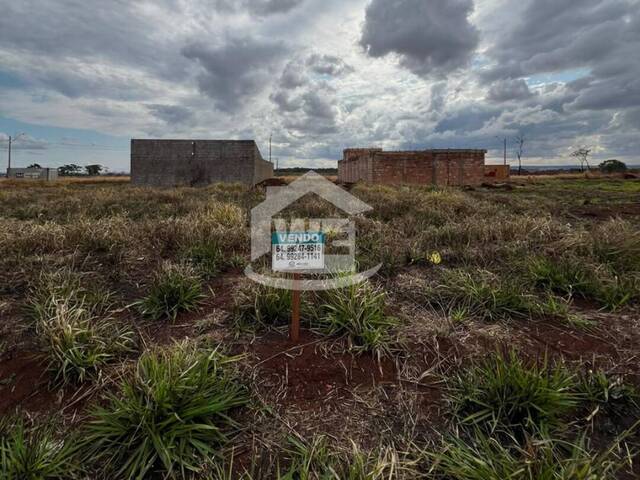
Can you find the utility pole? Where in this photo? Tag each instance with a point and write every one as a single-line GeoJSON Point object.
{"type": "Point", "coordinates": [9, 165]}
{"type": "Point", "coordinates": [270, 137]}
{"type": "Point", "coordinates": [505, 150]}
{"type": "Point", "coordinates": [12, 139]}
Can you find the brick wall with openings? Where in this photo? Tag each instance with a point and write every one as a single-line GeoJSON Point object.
{"type": "Point", "coordinates": [426, 167]}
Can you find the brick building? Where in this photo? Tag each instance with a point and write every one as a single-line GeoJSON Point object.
{"type": "Point", "coordinates": [426, 167]}
{"type": "Point", "coordinates": [170, 163]}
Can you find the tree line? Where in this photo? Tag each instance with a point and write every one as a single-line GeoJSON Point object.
{"type": "Point", "coordinates": [72, 169]}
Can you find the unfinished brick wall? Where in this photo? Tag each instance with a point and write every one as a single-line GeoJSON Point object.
{"type": "Point", "coordinates": [497, 173]}
{"type": "Point", "coordinates": [427, 167]}
{"type": "Point", "coordinates": [172, 163]}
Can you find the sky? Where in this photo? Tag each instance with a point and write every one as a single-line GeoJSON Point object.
{"type": "Point", "coordinates": [80, 78]}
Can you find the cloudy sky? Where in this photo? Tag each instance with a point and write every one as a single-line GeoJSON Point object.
{"type": "Point", "coordinates": [82, 77]}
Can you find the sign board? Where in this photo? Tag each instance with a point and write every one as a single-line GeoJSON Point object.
{"type": "Point", "coordinates": [295, 251]}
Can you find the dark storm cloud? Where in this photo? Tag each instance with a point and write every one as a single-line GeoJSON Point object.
{"type": "Point", "coordinates": [112, 30]}
{"type": "Point", "coordinates": [466, 120]}
{"type": "Point", "coordinates": [234, 72]}
{"type": "Point", "coordinates": [257, 7]}
{"type": "Point", "coordinates": [507, 90]}
{"type": "Point", "coordinates": [430, 36]}
{"type": "Point", "coordinates": [599, 37]}
{"type": "Point", "coordinates": [171, 114]}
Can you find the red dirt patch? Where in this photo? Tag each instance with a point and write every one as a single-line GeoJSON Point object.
{"type": "Point", "coordinates": [605, 212]}
{"type": "Point", "coordinates": [24, 383]}
{"type": "Point", "coordinates": [306, 375]}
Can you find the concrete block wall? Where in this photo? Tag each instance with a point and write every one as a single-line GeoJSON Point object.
{"type": "Point", "coordinates": [169, 163]}
{"type": "Point", "coordinates": [427, 167]}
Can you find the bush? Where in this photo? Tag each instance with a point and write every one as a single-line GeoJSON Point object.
{"type": "Point", "coordinates": [359, 311]}
{"type": "Point", "coordinates": [34, 452]}
{"type": "Point", "coordinates": [171, 415]}
{"type": "Point", "coordinates": [504, 393]}
{"type": "Point", "coordinates": [78, 345]}
{"type": "Point", "coordinates": [613, 166]}
{"type": "Point", "coordinates": [175, 288]}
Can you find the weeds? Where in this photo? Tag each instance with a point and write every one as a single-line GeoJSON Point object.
{"type": "Point", "coordinates": [175, 288]}
{"type": "Point", "coordinates": [78, 344]}
{"type": "Point", "coordinates": [490, 298]}
{"type": "Point", "coordinates": [35, 452]}
{"type": "Point", "coordinates": [485, 458]}
{"type": "Point", "coordinates": [68, 286]}
{"type": "Point", "coordinates": [505, 393]}
{"type": "Point", "coordinates": [610, 394]}
{"type": "Point", "coordinates": [259, 306]}
{"type": "Point", "coordinates": [207, 258]}
{"type": "Point", "coordinates": [359, 311]}
{"type": "Point", "coordinates": [574, 277]}
{"type": "Point", "coordinates": [171, 415]}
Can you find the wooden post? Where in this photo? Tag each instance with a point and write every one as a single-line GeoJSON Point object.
{"type": "Point", "coordinates": [294, 328]}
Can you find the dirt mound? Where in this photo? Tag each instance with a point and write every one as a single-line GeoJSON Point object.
{"type": "Point", "coordinates": [307, 374]}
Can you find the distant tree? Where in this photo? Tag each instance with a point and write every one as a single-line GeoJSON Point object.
{"type": "Point", "coordinates": [520, 151]}
{"type": "Point", "coordinates": [34, 165]}
{"type": "Point", "coordinates": [93, 170]}
{"type": "Point", "coordinates": [70, 169]}
{"type": "Point", "coordinates": [582, 154]}
{"type": "Point", "coordinates": [612, 166]}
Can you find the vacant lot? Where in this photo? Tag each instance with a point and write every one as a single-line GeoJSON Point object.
{"type": "Point", "coordinates": [500, 340]}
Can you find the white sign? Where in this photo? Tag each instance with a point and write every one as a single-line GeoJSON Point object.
{"type": "Point", "coordinates": [294, 251]}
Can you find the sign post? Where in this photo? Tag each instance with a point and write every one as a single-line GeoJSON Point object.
{"type": "Point", "coordinates": [297, 252]}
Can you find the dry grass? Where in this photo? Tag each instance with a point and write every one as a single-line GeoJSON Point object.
{"type": "Point", "coordinates": [91, 246]}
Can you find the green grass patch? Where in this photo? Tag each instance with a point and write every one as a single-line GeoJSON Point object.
{"type": "Point", "coordinates": [206, 257]}
{"type": "Point", "coordinates": [505, 393]}
{"type": "Point", "coordinates": [258, 306]}
{"type": "Point", "coordinates": [491, 297]}
{"type": "Point", "coordinates": [358, 311]}
{"type": "Point", "coordinates": [175, 288]}
{"type": "Point", "coordinates": [35, 452]}
{"type": "Point", "coordinates": [484, 458]}
{"type": "Point", "coordinates": [78, 345]}
{"type": "Point", "coordinates": [171, 415]}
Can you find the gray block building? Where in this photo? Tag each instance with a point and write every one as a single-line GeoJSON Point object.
{"type": "Point", "coordinates": [172, 163]}
{"type": "Point", "coordinates": [46, 174]}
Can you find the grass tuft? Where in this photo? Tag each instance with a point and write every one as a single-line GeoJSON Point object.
{"type": "Point", "coordinates": [175, 288]}
{"type": "Point", "coordinates": [485, 458]}
{"type": "Point", "coordinates": [170, 416]}
{"type": "Point", "coordinates": [206, 257]}
{"type": "Point", "coordinates": [259, 306]}
{"type": "Point", "coordinates": [359, 311]}
{"type": "Point", "coordinates": [504, 393]}
{"type": "Point", "coordinates": [78, 344]}
{"type": "Point", "coordinates": [35, 452]}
